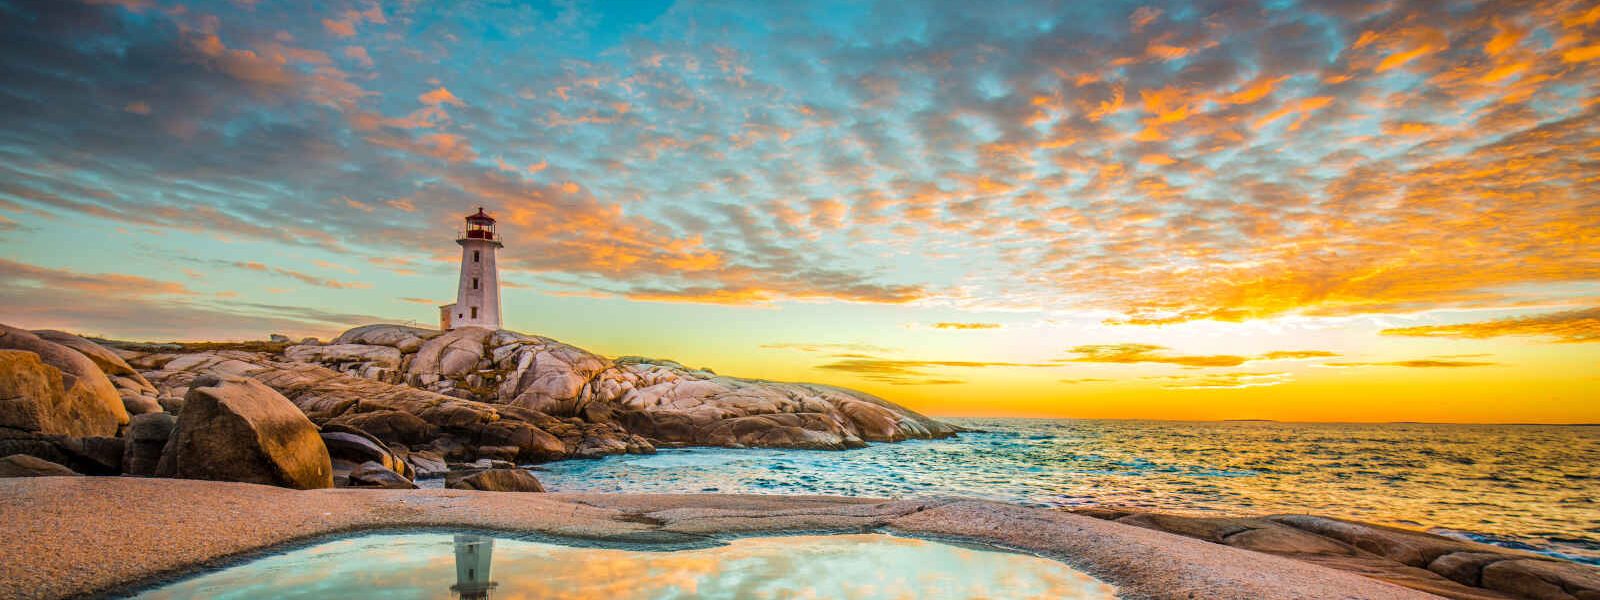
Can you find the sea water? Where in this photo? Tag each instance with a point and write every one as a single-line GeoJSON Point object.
{"type": "Point", "coordinates": [1519, 486]}
{"type": "Point", "coordinates": [471, 566]}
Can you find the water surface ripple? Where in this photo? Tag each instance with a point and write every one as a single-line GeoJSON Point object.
{"type": "Point", "coordinates": [1521, 486]}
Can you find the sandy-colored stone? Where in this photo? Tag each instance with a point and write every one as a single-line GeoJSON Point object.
{"type": "Point", "coordinates": [237, 429]}
{"type": "Point", "coordinates": [58, 537]}
{"type": "Point", "coordinates": [23, 465]}
{"type": "Point", "coordinates": [70, 396]}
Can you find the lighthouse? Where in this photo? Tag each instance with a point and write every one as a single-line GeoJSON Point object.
{"type": "Point", "coordinates": [478, 292]}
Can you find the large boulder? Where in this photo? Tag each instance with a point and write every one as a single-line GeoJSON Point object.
{"type": "Point", "coordinates": [138, 395]}
{"type": "Point", "coordinates": [50, 388]}
{"type": "Point", "coordinates": [391, 426]}
{"type": "Point", "coordinates": [494, 480]}
{"type": "Point", "coordinates": [238, 429]}
{"type": "Point", "coordinates": [454, 354]}
{"type": "Point", "coordinates": [354, 447]}
{"type": "Point", "coordinates": [23, 465]}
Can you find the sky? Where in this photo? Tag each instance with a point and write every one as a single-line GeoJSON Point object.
{"type": "Point", "coordinates": [1324, 210]}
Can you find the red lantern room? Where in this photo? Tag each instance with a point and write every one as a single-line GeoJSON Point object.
{"type": "Point", "coordinates": [480, 226]}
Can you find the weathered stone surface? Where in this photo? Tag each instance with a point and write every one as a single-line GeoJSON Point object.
{"type": "Point", "coordinates": [1455, 569]}
{"type": "Point", "coordinates": [371, 474]}
{"type": "Point", "coordinates": [391, 426]}
{"type": "Point", "coordinates": [495, 480]}
{"type": "Point", "coordinates": [58, 390]}
{"type": "Point", "coordinates": [138, 395]}
{"type": "Point", "coordinates": [427, 464]}
{"type": "Point", "coordinates": [454, 354]}
{"type": "Point", "coordinates": [1542, 579]}
{"type": "Point", "coordinates": [238, 429]}
{"type": "Point", "coordinates": [355, 446]}
{"type": "Point", "coordinates": [338, 354]}
{"type": "Point", "coordinates": [23, 465]}
{"type": "Point", "coordinates": [145, 438]}
{"type": "Point", "coordinates": [405, 339]}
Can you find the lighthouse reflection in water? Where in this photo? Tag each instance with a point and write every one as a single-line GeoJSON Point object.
{"type": "Point", "coordinates": [473, 555]}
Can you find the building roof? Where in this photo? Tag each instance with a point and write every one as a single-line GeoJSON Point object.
{"type": "Point", "coordinates": [480, 216]}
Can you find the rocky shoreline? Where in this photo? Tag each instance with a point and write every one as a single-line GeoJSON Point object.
{"type": "Point", "coordinates": [81, 536]}
{"type": "Point", "coordinates": [230, 448]}
{"type": "Point", "coordinates": [382, 405]}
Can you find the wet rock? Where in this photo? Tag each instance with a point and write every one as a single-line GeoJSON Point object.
{"type": "Point", "coordinates": [51, 388]}
{"type": "Point", "coordinates": [145, 438]}
{"type": "Point", "coordinates": [495, 480]}
{"type": "Point", "coordinates": [371, 474]}
{"type": "Point", "coordinates": [23, 465]}
{"type": "Point", "coordinates": [238, 429]}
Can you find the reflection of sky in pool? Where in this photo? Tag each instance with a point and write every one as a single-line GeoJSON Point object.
{"type": "Point", "coordinates": [435, 565]}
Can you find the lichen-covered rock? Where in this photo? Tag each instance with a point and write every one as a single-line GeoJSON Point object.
{"type": "Point", "coordinates": [495, 480]}
{"type": "Point", "coordinates": [238, 429]}
{"type": "Point", "coordinates": [59, 391]}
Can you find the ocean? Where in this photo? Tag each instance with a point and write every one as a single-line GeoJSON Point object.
{"type": "Point", "coordinates": [1533, 487]}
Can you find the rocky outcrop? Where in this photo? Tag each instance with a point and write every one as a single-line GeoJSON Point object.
{"type": "Point", "coordinates": [50, 388]}
{"type": "Point", "coordinates": [138, 395]}
{"type": "Point", "coordinates": [1435, 564]}
{"type": "Point", "coordinates": [238, 429]}
{"type": "Point", "coordinates": [494, 480]}
{"type": "Point", "coordinates": [656, 399]}
{"type": "Point", "coordinates": [460, 430]}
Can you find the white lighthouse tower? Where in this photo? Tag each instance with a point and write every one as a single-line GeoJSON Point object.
{"type": "Point", "coordinates": [478, 293]}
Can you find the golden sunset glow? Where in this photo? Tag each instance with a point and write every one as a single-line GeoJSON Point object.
{"type": "Point", "coordinates": [1321, 210]}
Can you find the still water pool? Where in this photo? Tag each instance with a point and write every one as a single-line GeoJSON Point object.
{"type": "Point", "coordinates": [439, 565]}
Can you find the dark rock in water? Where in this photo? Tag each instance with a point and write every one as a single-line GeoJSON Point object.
{"type": "Point", "coordinates": [23, 465]}
{"type": "Point", "coordinates": [238, 429]}
{"type": "Point", "coordinates": [495, 480]}
{"type": "Point", "coordinates": [371, 474]}
{"type": "Point", "coordinates": [145, 438]}
{"type": "Point", "coordinates": [51, 388]}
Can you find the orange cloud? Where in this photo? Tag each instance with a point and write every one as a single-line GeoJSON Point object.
{"type": "Point", "coordinates": [1573, 326]}
{"type": "Point", "coordinates": [1147, 353]}
{"type": "Point", "coordinates": [965, 326]}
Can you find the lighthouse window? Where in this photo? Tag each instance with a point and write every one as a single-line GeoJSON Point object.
{"type": "Point", "coordinates": [474, 312]}
{"type": "Point", "coordinates": [474, 283]}
{"type": "Point", "coordinates": [474, 256]}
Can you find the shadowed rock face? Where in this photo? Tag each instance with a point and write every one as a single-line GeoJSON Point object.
{"type": "Point", "coordinates": [1435, 564]}
{"type": "Point", "coordinates": [659, 399]}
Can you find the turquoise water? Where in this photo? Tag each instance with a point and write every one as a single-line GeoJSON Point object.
{"type": "Point", "coordinates": [435, 565]}
{"type": "Point", "coordinates": [1531, 487]}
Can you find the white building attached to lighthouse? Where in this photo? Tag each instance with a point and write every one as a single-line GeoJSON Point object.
{"type": "Point", "coordinates": [478, 293]}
